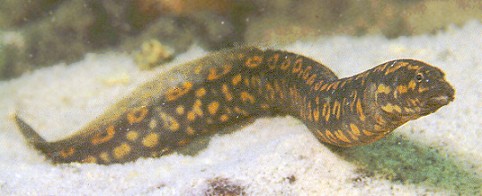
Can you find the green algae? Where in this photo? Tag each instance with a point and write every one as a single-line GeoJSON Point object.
{"type": "Point", "coordinates": [407, 162]}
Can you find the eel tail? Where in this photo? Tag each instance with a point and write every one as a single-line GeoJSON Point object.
{"type": "Point", "coordinates": [32, 137]}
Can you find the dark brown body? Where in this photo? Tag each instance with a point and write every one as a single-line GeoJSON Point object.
{"type": "Point", "coordinates": [226, 87]}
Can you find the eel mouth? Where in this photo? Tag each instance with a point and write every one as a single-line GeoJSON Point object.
{"type": "Point", "coordinates": [435, 102]}
{"type": "Point", "coordinates": [439, 101]}
{"type": "Point", "coordinates": [440, 97]}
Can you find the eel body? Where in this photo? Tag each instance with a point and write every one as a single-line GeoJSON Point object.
{"type": "Point", "coordinates": [226, 87]}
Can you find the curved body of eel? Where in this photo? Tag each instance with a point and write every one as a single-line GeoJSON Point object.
{"type": "Point", "coordinates": [228, 86]}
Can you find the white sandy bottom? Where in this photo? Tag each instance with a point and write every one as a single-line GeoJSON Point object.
{"type": "Point", "coordinates": [263, 156]}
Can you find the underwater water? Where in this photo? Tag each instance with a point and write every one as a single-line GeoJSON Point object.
{"type": "Point", "coordinates": [61, 82]}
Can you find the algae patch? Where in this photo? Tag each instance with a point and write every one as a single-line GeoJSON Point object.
{"type": "Point", "coordinates": [403, 161]}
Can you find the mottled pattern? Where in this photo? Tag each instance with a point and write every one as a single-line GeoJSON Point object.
{"type": "Point", "coordinates": [229, 86]}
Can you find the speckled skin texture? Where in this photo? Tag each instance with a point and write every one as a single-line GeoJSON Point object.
{"type": "Point", "coordinates": [230, 86]}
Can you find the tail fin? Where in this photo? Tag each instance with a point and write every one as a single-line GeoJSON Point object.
{"type": "Point", "coordinates": [31, 135]}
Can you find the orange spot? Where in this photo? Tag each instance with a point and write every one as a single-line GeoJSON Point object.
{"type": "Point", "coordinates": [311, 79]}
{"type": "Point", "coordinates": [326, 111]}
{"type": "Point", "coordinates": [352, 103]}
{"type": "Point", "coordinates": [414, 102]}
{"type": "Point", "coordinates": [224, 118]}
{"type": "Point", "coordinates": [153, 123]}
{"type": "Point", "coordinates": [335, 84]}
{"type": "Point", "coordinates": [286, 63]}
{"type": "Point", "coordinates": [408, 110]}
{"type": "Point", "coordinates": [380, 119]}
{"type": "Point", "coordinates": [256, 83]}
{"type": "Point", "coordinates": [331, 137]}
{"type": "Point", "coordinates": [297, 65]}
{"type": "Point", "coordinates": [421, 89]}
{"type": "Point", "coordinates": [309, 111]}
{"type": "Point", "coordinates": [200, 92]}
{"type": "Point", "coordinates": [324, 87]}
{"type": "Point", "coordinates": [240, 55]}
{"type": "Point", "coordinates": [104, 136]}
{"type": "Point", "coordinates": [412, 84]}
{"type": "Point", "coordinates": [89, 159]}
{"type": "Point", "coordinates": [191, 116]}
{"type": "Point", "coordinates": [402, 89]}
{"type": "Point", "coordinates": [155, 154]}
{"type": "Point", "coordinates": [196, 110]}
{"type": "Point", "coordinates": [240, 111]}
{"type": "Point", "coordinates": [384, 89]}
{"type": "Point", "coordinates": [121, 151]}
{"type": "Point", "coordinates": [151, 140]}
{"type": "Point", "coordinates": [236, 79]}
{"type": "Point", "coordinates": [306, 72]}
{"type": "Point", "coordinates": [339, 134]}
{"type": "Point", "coordinates": [213, 107]}
{"type": "Point", "coordinates": [253, 61]}
{"type": "Point", "coordinates": [343, 83]}
{"type": "Point", "coordinates": [270, 91]}
{"type": "Point", "coordinates": [246, 82]}
{"type": "Point", "coordinates": [132, 135]}
{"type": "Point", "coordinates": [395, 67]}
{"type": "Point", "coordinates": [198, 69]}
{"type": "Point", "coordinates": [329, 86]}
{"type": "Point", "coordinates": [390, 108]}
{"type": "Point", "coordinates": [67, 152]}
{"type": "Point", "coordinates": [264, 106]}
{"type": "Point", "coordinates": [367, 133]}
{"type": "Point", "coordinates": [378, 136]}
{"type": "Point", "coordinates": [322, 137]}
{"type": "Point", "coordinates": [176, 92]}
{"type": "Point", "coordinates": [273, 61]}
{"type": "Point", "coordinates": [363, 76]}
{"type": "Point", "coordinates": [318, 85]}
{"type": "Point", "coordinates": [355, 138]}
{"type": "Point", "coordinates": [226, 92]}
{"type": "Point", "coordinates": [169, 122]}
{"type": "Point", "coordinates": [213, 74]}
{"type": "Point", "coordinates": [180, 110]}
{"type": "Point", "coordinates": [380, 67]}
{"type": "Point", "coordinates": [377, 127]}
{"type": "Point", "coordinates": [137, 115]}
{"type": "Point", "coordinates": [316, 114]}
{"type": "Point", "coordinates": [245, 96]}
{"type": "Point", "coordinates": [354, 129]}
{"type": "Point", "coordinates": [412, 67]}
{"type": "Point", "coordinates": [183, 142]}
{"type": "Point", "coordinates": [104, 156]}
{"type": "Point", "coordinates": [336, 109]}
{"type": "Point", "coordinates": [359, 110]}
{"type": "Point", "coordinates": [190, 131]}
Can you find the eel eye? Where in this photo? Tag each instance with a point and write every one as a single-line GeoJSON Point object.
{"type": "Point", "coordinates": [419, 77]}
